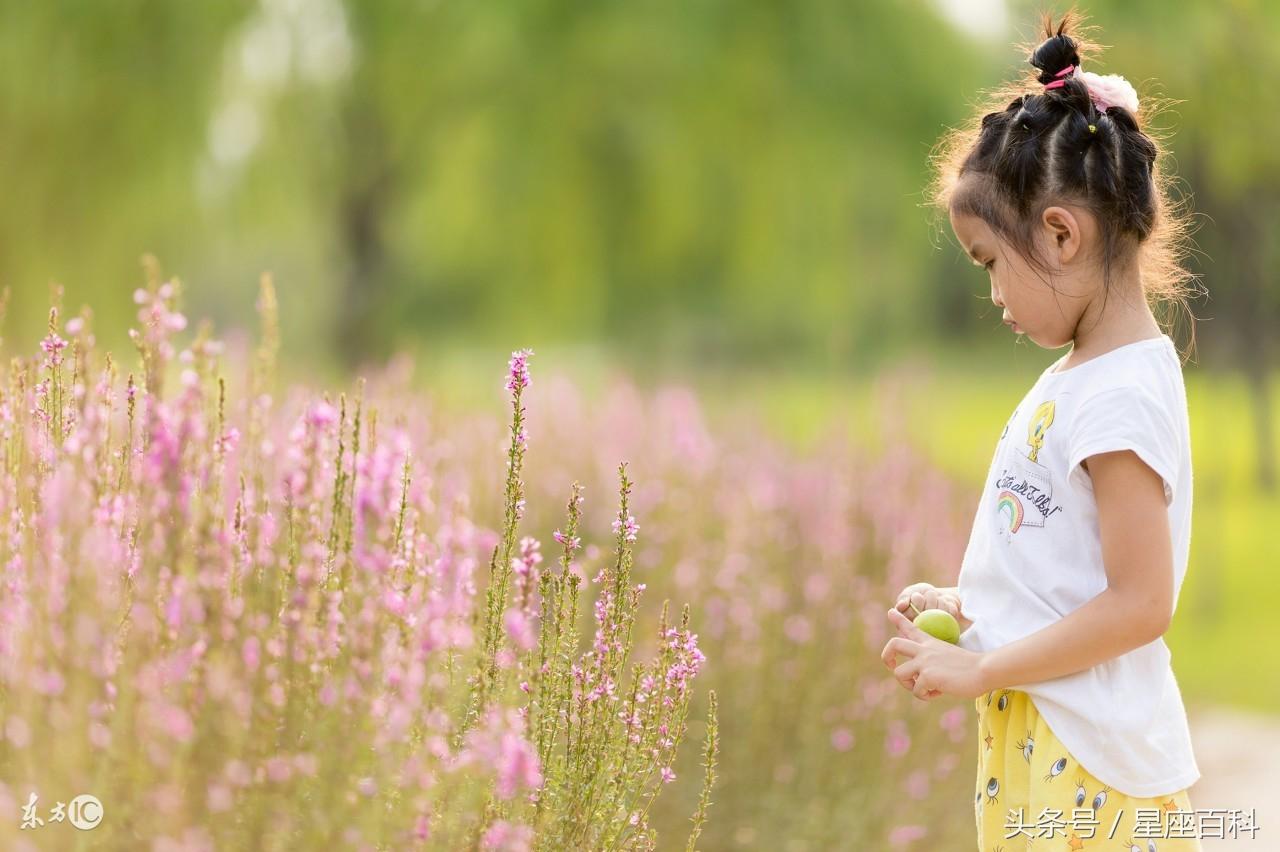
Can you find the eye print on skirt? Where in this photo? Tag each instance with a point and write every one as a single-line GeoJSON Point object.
{"type": "Point", "coordinates": [1004, 699]}
{"type": "Point", "coordinates": [1059, 766]}
{"type": "Point", "coordinates": [1027, 747]}
{"type": "Point", "coordinates": [993, 789]}
{"type": "Point", "coordinates": [1098, 800]}
{"type": "Point", "coordinates": [1133, 847]}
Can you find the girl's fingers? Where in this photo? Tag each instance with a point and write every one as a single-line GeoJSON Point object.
{"type": "Point", "coordinates": [919, 690]}
{"type": "Point", "coordinates": [906, 597]}
{"type": "Point", "coordinates": [906, 674]}
{"type": "Point", "coordinates": [898, 648]}
{"type": "Point", "coordinates": [918, 597]}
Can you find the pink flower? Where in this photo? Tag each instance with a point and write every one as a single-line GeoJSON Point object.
{"type": "Point", "coordinates": [917, 784]}
{"type": "Point", "coordinates": [279, 769]}
{"type": "Point", "coordinates": [322, 415]}
{"type": "Point", "coordinates": [18, 732]}
{"type": "Point", "coordinates": [519, 373]}
{"type": "Point", "coordinates": [219, 798]}
{"type": "Point", "coordinates": [175, 722]}
{"type": "Point", "coordinates": [251, 653]}
{"type": "Point", "coordinates": [394, 602]}
{"type": "Point", "coordinates": [520, 628]}
{"type": "Point", "coordinates": [798, 629]}
{"type": "Point", "coordinates": [500, 744]}
{"type": "Point", "coordinates": [629, 525]}
{"type": "Point", "coordinates": [571, 543]}
{"type": "Point", "coordinates": [842, 739]}
{"type": "Point", "coordinates": [508, 837]}
{"type": "Point", "coordinates": [53, 346]}
{"type": "Point", "coordinates": [228, 441]}
{"type": "Point", "coordinates": [237, 773]}
{"type": "Point", "coordinates": [897, 741]}
{"type": "Point", "coordinates": [954, 722]}
{"type": "Point", "coordinates": [1108, 90]}
{"type": "Point", "coordinates": [667, 775]}
{"type": "Point", "coordinates": [905, 834]}
{"type": "Point", "coordinates": [518, 766]}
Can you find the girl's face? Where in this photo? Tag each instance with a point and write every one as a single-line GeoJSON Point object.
{"type": "Point", "coordinates": [1047, 315]}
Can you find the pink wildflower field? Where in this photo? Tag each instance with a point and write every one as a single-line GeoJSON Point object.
{"type": "Point", "coordinates": [240, 616]}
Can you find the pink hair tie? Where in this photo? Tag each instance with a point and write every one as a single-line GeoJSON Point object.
{"type": "Point", "coordinates": [1056, 83]}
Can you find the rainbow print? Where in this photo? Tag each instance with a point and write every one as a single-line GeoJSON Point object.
{"type": "Point", "coordinates": [1007, 500]}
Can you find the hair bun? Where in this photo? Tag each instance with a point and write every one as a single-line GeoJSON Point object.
{"type": "Point", "coordinates": [1055, 53]}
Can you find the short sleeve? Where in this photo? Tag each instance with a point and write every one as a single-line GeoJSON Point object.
{"type": "Point", "coordinates": [1125, 418]}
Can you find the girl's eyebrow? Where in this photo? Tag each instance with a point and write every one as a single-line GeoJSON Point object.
{"type": "Point", "coordinates": [974, 251]}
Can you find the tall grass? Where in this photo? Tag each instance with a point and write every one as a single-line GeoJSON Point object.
{"type": "Point", "coordinates": [247, 617]}
{"type": "Point", "coordinates": [244, 622]}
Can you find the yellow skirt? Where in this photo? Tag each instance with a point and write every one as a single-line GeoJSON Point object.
{"type": "Point", "coordinates": [1033, 794]}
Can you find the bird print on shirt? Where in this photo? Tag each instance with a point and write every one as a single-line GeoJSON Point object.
{"type": "Point", "coordinates": [1024, 487]}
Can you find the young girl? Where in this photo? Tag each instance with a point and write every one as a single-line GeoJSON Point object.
{"type": "Point", "coordinates": [1080, 541]}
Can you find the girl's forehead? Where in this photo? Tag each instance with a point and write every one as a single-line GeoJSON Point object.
{"type": "Point", "coordinates": [969, 226]}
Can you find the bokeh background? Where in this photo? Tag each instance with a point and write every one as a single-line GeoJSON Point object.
{"type": "Point", "coordinates": [724, 195]}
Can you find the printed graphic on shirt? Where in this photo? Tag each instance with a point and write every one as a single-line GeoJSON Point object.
{"type": "Point", "coordinates": [1040, 423]}
{"type": "Point", "coordinates": [1024, 488]}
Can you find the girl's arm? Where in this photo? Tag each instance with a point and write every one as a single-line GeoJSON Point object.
{"type": "Point", "coordinates": [1137, 605]}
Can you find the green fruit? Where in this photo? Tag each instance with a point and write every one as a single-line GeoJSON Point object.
{"type": "Point", "coordinates": [939, 623]}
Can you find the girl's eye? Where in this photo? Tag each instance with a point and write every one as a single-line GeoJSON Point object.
{"type": "Point", "coordinates": [987, 266]}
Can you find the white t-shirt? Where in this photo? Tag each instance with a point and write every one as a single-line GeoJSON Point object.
{"type": "Point", "coordinates": [1035, 554]}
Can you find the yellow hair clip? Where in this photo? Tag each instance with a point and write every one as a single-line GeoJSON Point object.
{"type": "Point", "coordinates": [1093, 128]}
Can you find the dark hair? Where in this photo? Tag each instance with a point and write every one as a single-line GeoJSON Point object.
{"type": "Point", "coordinates": [1024, 152]}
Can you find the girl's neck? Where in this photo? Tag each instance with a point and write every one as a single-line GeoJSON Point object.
{"type": "Point", "coordinates": [1127, 318]}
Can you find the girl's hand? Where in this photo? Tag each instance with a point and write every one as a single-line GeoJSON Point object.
{"type": "Point", "coordinates": [930, 667]}
{"type": "Point", "coordinates": [924, 596]}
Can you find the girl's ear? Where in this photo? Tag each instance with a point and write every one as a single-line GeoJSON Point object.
{"type": "Point", "coordinates": [1063, 231]}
